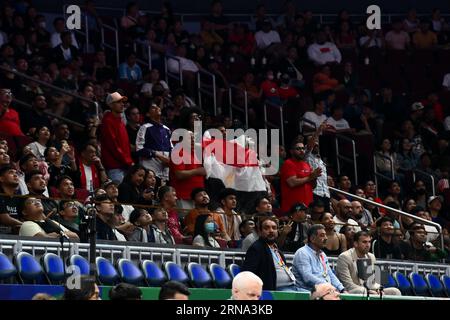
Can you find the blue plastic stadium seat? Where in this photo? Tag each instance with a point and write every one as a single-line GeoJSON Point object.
{"type": "Point", "coordinates": [7, 269]}
{"type": "Point", "coordinates": [391, 282]}
{"type": "Point", "coordinates": [233, 270]}
{"type": "Point", "coordinates": [435, 285]}
{"type": "Point", "coordinates": [175, 272]}
{"type": "Point", "coordinates": [419, 286]}
{"type": "Point", "coordinates": [129, 272]}
{"type": "Point", "coordinates": [198, 275]}
{"type": "Point", "coordinates": [152, 273]}
{"type": "Point", "coordinates": [446, 282]}
{"type": "Point", "coordinates": [403, 284]}
{"type": "Point", "coordinates": [53, 267]}
{"type": "Point", "coordinates": [220, 277]}
{"type": "Point", "coordinates": [81, 263]}
{"type": "Point", "coordinates": [266, 295]}
{"type": "Point", "coordinates": [106, 272]}
{"type": "Point", "coordinates": [28, 269]}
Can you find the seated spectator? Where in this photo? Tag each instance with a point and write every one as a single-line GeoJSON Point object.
{"type": "Point", "coordinates": [371, 39]}
{"type": "Point", "coordinates": [118, 221]}
{"type": "Point", "coordinates": [125, 291]}
{"type": "Point", "coordinates": [4, 157]}
{"type": "Point", "coordinates": [406, 159]}
{"type": "Point", "coordinates": [173, 290]}
{"type": "Point", "coordinates": [411, 22]}
{"type": "Point", "coordinates": [36, 224]}
{"type": "Point", "coordinates": [130, 70]}
{"type": "Point", "coordinates": [68, 216]}
{"type": "Point", "coordinates": [432, 232]}
{"type": "Point", "coordinates": [243, 38]}
{"type": "Point", "coordinates": [435, 209]}
{"type": "Point", "coordinates": [263, 208]}
{"type": "Point", "coordinates": [322, 52]}
{"type": "Point", "coordinates": [142, 220]}
{"type": "Point", "coordinates": [317, 116]}
{"type": "Point", "coordinates": [131, 18]}
{"type": "Point", "coordinates": [397, 39]}
{"type": "Point", "coordinates": [348, 274]}
{"type": "Point", "coordinates": [270, 266]}
{"type": "Point", "coordinates": [247, 227]}
{"type": "Point", "coordinates": [160, 229]}
{"type": "Point", "coordinates": [286, 91]}
{"type": "Point", "coordinates": [204, 231]}
{"type": "Point", "coordinates": [293, 233]}
{"type": "Point", "coordinates": [188, 67]}
{"type": "Point", "coordinates": [322, 80]}
{"type": "Point", "coordinates": [93, 173]}
{"type": "Point", "coordinates": [336, 242]}
{"type": "Point", "coordinates": [230, 218]}
{"type": "Point", "coordinates": [65, 51]}
{"type": "Point", "coordinates": [269, 88]}
{"type": "Point", "coordinates": [324, 291]}
{"type": "Point", "coordinates": [337, 122]}
{"type": "Point", "coordinates": [130, 190]}
{"type": "Point", "coordinates": [9, 118]}
{"type": "Point", "coordinates": [168, 200]}
{"type": "Point", "coordinates": [208, 35]}
{"type": "Point", "coordinates": [361, 214]}
{"type": "Point", "coordinates": [36, 117]}
{"type": "Point", "coordinates": [343, 215]}
{"type": "Point", "coordinates": [418, 249]}
{"type": "Point", "coordinates": [246, 286]}
{"type": "Point", "coordinates": [154, 78]}
{"type": "Point", "coordinates": [310, 265]}
{"type": "Point", "coordinates": [345, 38]}
{"type": "Point", "coordinates": [37, 186]}
{"type": "Point", "coordinates": [9, 205]}
{"type": "Point", "coordinates": [383, 246]}
{"type": "Point", "coordinates": [42, 138]}
{"type": "Point", "coordinates": [56, 38]}
{"type": "Point", "coordinates": [105, 216]}
{"type": "Point", "coordinates": [266, 36]}
{"type": "Point", "coordinates": [349, 232]}
{"type": "Point", "coordinates": [424, 39]}
{"type": "Point", "coordinates": [56, 169]}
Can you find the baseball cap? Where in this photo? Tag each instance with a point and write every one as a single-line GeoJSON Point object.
{"type": "Point", "coordinates": [417, 106]}
{"type": "Point", "coordinates": [115, 97]}
{"type": "Point", "coordinates": [108, 183]}
{"type": "Point", "coordinates": [432, 198]}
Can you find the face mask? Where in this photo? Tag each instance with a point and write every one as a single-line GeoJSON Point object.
{"type": "Point", "coordinates": [270, 77]}
{"type": "Point", "coordinates": [210, 227]}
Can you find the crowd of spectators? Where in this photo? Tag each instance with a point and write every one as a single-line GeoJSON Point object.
{"type": "Point", "coordinates": [118, 155]}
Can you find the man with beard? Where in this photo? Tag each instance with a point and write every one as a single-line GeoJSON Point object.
{"type": "Point", "coordinates": [297, 178]}
{"type": "Point", "coordinates": [343, 216]}
{"type": "Point", "coordinates": [37, 186]}
{"type": "Point", "coordinates": [310, 265]}
{"type": "Point", "coordinates": [321, 191]}
{"type": "Point", "coordinates": [9, 205]}
{"type": "Point", "coordinates": [265, 260]}
{"type": "Point", "coordinates": [347, 272]}
{"type": "Point", "coordinates": [201, 203]}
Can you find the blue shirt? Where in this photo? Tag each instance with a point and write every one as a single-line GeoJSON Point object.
{"type": "Point", "coordinates": [308, 269]}
{"type": "Point", "coordinates": [133, 73]}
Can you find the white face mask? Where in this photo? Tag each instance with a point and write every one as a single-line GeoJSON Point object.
{"type": "Point", "coordinates": [42, 24]}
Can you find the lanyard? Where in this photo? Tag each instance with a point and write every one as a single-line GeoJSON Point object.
{"type": "Point", "coordinates": [276, 255]}
{"type": "Point", "coordinates": [324, 265]}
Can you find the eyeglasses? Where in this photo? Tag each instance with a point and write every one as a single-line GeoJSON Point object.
{"type": "Point", "coordinates": [34, 201]}
{"type": "Point", "coordinates": [70, 205]}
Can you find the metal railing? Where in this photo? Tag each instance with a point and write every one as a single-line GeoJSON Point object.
{"type": "Point", "coordinates": [276, 111]}
{"type": "Point", "coordinates": [402, 213]}
{"type": "Point", "coordinates": [380, 175]}
{"type": "Point", "coordinates": [311, 124]}
{"type": "Point", "coordinates": [234, 106]}
{"type": "Point", "coordinates": [169, 74]}
{"type": "Point", "coordinates": [423, 173]}
{"type": "Point", "coordinates": [114, 48]}
{"type": "Point", "coordinates": [180, 254]}
{"type": "Point", "coordinates": [340, 157]}
{"type": "Point", "coordinates": [146, 51]}
{"type": "Point", "coordinates": [207, 88]}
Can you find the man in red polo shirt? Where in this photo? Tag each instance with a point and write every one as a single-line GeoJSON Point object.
{"type": "Point", "coordinates": [9, 118]}
{"type": "Point", "coordinates": [186, 176]}
{"type": "Point", "coordinates": [297, 178]}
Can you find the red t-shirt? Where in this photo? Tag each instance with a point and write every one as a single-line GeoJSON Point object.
{"type": "Point", "coordinates": [10, 123]}
{"type": "Point", "coordinates": [286, 93]}
{"type": "Point", "coordinates": [184, 187]}
{"type": "Point", "coordinates": [303, 193]}
{"type": "Point", "coordinates": [269, 88]}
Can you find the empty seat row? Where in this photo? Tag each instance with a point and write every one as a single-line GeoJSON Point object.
{"type": "Point", "coordinates": [418, 285]}
{"type": "Point", "coordinates": [52, 270]}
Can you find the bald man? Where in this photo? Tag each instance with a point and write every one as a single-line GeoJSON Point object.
{"type": "Point", "coordinates": [324, 291]}
{"type": "Point", "coordinates": [343, 214]}
{"type": "Point", "coordinates": [246, 286]}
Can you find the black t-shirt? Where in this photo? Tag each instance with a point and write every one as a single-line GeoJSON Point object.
{"type": "Point", "coordinates": [104, 231]}
{"type": "Point", "coordinates": [11, 206]}
{"type": "Point", "coordinates": [384, 250]}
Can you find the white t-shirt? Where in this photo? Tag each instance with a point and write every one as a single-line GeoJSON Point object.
{"type": "Point", "coordinates": [199, 241]}
{"type": "Point", "coordinates": [119, 236]}
{"type": "Point", "coordinates": [148, 87]}
{"type": "Point", "coordinates": [263, 40]}
{"type": "Point", "coordinates": [314, 117]}
{"type": "Point", "coordinates": [31, 229]}
{"type": "Point", "coordinates": [340, 224]}
{"type": "Point", "coordinates": [323, 53]}
{"type": "Point", "coordinates": [88, 173]}
{"type": "Point", "coordinates": [338, 124]}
